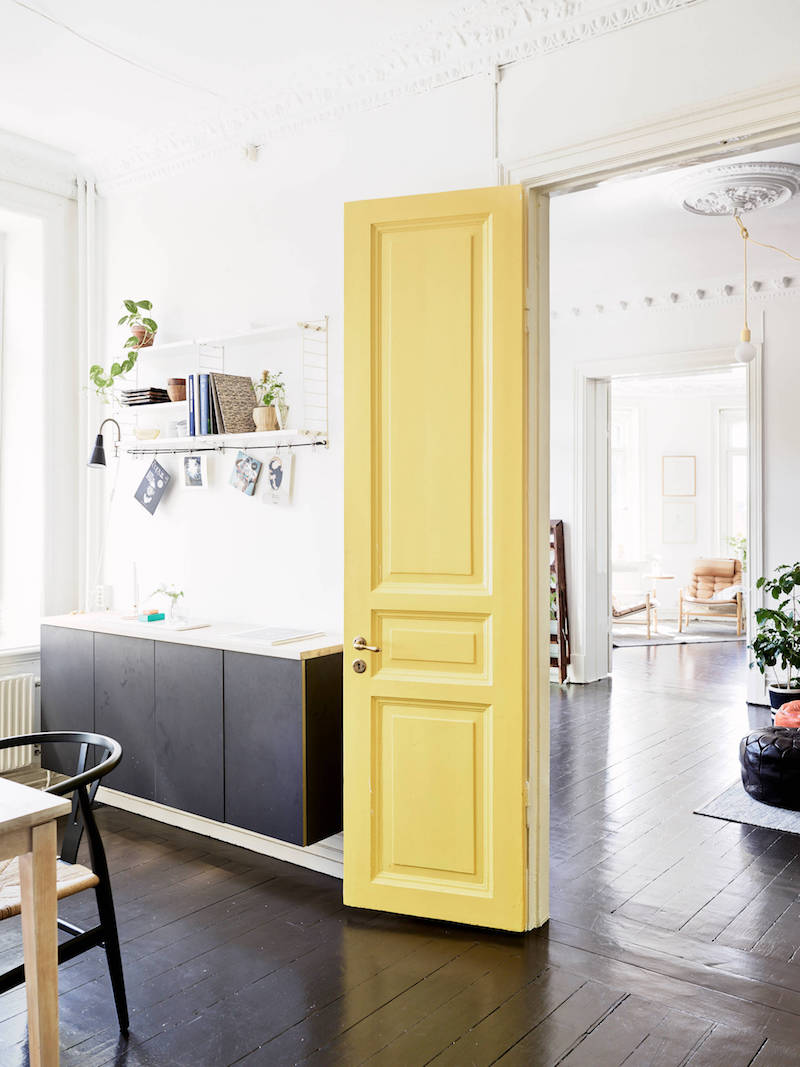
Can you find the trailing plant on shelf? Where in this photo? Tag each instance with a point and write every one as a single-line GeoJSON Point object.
{"type": "Point", "coordinates": [142, 331]}
{"type": "Point", "coordinates": [272, 412]}
{"type": "Point", "coordinates": [776, 646]}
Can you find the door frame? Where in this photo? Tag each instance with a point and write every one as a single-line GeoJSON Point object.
{"type": "Point", "coordinates": [592, 511]}
{"type": "Point", "coordinates": [731, 125]}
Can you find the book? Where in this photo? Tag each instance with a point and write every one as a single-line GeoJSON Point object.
{"type": "Point", "coordinates": [237, 398]}
{"type": "Point", "coordinates": [218, 423]}
{"type": "Point", "coordinates": [244, 475]}
{"type": "Point", "coordinates": [152, 487]}
{"type": "Point", "coordinates": [190, 396]}
{"type": "Point", "coordinates": [202, 381]}
{"type": "Point", "coordinates": [277, 635]}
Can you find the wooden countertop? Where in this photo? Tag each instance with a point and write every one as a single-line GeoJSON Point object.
{"type": "Point", "coordinates": [228, 636]}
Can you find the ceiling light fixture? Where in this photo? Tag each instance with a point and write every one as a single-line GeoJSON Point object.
{"type": "Point", "coordinates": [745, 351]}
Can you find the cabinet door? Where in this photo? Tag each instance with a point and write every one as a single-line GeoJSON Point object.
{"type": "Point", "coordinates": [323, 694]}
{"type": "Point", "coordinates": [124, 709]}
{"type": "Point", "coordinates": [189, 742]}
{"type": "Point", "coordinates": [67, 691]}
{"type": "Point", "coordinates": [264, 745]}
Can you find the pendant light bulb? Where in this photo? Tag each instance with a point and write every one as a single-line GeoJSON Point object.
{"type": "Point", "coordinates": [745, 352]}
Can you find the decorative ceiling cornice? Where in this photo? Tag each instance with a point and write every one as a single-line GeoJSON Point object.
{"type": "Point", "coordinates": [469, 41]}
{"type": "Point", "coordinates": [36, 166]}
{"type": "Point", "coordinates": [735, 188]}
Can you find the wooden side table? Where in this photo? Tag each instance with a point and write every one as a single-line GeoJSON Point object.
{"type": "Point", "coordinates": [28, 830]}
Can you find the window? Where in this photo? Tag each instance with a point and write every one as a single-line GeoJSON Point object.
{"type": "Point", "coordinates": [626, 515]}
{"type": "Point", "coordinates": [732, 519]}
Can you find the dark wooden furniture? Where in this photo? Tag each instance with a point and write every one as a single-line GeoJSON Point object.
{"type": "Point", "coordinates": [249, 739]}
{"type": "Point", "coordinates": [559, 617]}
{"type": "Point", "coordinates": [96, 757]}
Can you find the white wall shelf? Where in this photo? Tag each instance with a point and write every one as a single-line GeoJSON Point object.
{"type": "Point", "coordinates": [208, 354]}
{"type": "Point", "coordinates": [273, 439]}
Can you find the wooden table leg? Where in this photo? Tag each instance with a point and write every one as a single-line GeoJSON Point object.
{"type": "Point", "coordinates": [37, 873]}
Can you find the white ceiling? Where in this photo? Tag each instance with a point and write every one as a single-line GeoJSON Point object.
{"type": "Point", "coordinates": [630, 238]}
{"type": "Point", "coordinates": [91, 76]}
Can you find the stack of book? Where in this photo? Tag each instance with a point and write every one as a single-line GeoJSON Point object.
{"type": "Point", "coordinates": [220, 403]}
{"type": "Point", "coordinates": [134, 398]}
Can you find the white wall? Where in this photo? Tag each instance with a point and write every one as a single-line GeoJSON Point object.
{"type": "Point", "coordinates": [673, 425]}
{"type": "Point", "coordinates": [220, 247]}
{"type": "Point", "coordinates": [222, 244]}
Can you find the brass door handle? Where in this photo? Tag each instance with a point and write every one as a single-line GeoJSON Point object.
{"type": "Point", "coordinates": [360, 645]}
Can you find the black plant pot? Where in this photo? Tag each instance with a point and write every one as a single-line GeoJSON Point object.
{"type": "Point", "coordinates": [778, 697]}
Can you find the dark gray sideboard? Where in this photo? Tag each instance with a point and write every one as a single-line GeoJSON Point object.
{"type": "Point", "coordinates": [252, 740]}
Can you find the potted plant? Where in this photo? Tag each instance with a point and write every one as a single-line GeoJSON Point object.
{"type": "Point", "coordinates": [272, 411]}
{"type": "Point", "coordinates": [776, 646]}
{"type": "Point", "coordinates": [142, 332]}
{"type": "Point", "coordinates": [173, 595]}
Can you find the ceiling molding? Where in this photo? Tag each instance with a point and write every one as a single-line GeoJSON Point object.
{"type": "Point", "coordinates": [681, 298]}
{"type": "Point", "coordinates": [37, 166]}
{"type": "Point", "coordinates": [736, 188]}
{"type": "Point", "coordinates": [469, 41]}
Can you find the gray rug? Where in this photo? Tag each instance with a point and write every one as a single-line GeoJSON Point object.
{"type": "Point", "coordinates": [734, 805]}
{"type": "Point", "coordinates": [633, 636]}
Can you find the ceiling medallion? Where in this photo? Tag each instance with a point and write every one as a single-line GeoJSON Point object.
{"type": "Point", "coordinates": [736, 188]}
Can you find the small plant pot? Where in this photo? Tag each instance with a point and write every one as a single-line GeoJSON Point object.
{"type": "Point", "coordinates": [176, 389]}
{"type": "Point", "coordinates": [779, 695]}
{"type": "Point", "coordinates": [144, 336]}
{"type": "Point", "coordinates": [265, 417]}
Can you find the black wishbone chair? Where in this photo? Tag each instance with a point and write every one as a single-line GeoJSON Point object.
{"type": "Point", "coordinates": [71, 876]}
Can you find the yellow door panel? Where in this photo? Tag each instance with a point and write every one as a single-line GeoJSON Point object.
{"type": "Point", "coordinates": [436, 556]}
{"type": "Point", "coordinates": [454, 645]}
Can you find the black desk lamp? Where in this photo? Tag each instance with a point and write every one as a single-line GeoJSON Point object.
{"type": "Point", "coordinates": [98, 456]}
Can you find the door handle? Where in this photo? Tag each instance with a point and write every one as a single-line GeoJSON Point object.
{"type": "Point", "coordinates": [360, 645]}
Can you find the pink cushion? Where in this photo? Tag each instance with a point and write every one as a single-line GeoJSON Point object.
{"type": "Point", "coordinates": [788, 714]}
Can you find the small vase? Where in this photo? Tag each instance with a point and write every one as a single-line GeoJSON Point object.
{"type": "Point", "coordinates": [265, 417]}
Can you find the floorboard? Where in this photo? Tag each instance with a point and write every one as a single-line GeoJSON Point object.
{"type": "Point", "coordinates": [674, 939]}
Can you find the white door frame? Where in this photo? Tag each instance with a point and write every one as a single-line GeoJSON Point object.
{"type": "Point", "coordinates": [590, 594]}
{"type": "Point", "coordinates": [730, 125]}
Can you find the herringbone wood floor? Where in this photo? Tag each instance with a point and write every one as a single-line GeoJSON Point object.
{"type": "Point", "coordinates": [675, 939]}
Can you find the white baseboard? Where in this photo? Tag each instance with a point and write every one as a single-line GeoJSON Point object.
{"type": "Point", "coordinates": [326, 856]}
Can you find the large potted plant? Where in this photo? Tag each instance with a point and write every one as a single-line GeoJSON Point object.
{"type": "Point", "coordinates": [776, 646]}
{"type": "Point", "coordinates": [142, 333]}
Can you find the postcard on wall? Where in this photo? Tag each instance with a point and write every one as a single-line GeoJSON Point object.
{"type": "Point", "coordinates": [194, 471]}
{"type": "Point", "coordinates": [152, 487]}
{"type": "Point", "coordinates": [679, 522]}
{"type": "Point", "coordinates": [279, 479]}
{"type": "Point", "coordinates": [245, 473]}
{"type": "Point", "coordinates": [678, 475]}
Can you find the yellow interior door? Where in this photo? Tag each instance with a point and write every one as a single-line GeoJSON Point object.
{"type": "Point", "coordinates": [436, 708]}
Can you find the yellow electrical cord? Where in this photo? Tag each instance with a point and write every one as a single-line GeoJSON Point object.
{"type": "Point", "coordinates": [745, 235]}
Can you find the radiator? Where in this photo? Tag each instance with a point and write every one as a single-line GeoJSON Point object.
{"type": "Point", "coordinates": [16, 717]}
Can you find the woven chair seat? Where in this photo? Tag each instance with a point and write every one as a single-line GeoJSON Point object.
{"type": "Point", "coordinates": [70, 878]}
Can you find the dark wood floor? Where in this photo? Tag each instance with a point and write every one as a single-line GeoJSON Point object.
{"type": "Point", "coordinates": [675, 938]}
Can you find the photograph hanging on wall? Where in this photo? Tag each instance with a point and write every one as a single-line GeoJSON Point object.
{"type": "Point", "coordinates": [152, 487]}
{"type": "Point", "coordinates": [194, 471]}
{"type": "Point", "coordinates": [678, 475]}
{"type": "Point", "coordinates": [279, 478]}
{"type": "Point", "coordinates": [245, 473]}
{"type": "Point", "coordinates": [679, 522]}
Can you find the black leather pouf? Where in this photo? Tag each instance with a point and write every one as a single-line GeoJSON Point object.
{"type": "Point", "coordinates": [770, 761]}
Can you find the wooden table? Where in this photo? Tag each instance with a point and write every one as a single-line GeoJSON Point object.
{"type": "Point", "coordinates": [28, 830]}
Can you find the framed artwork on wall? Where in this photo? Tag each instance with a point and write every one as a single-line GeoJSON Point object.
{"type": "Point", "coordinates": [678, 475]}
{"type": "Point", "coordinates": [679, 522]}
{"type": "Point", "coordinates": [194, 471]}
